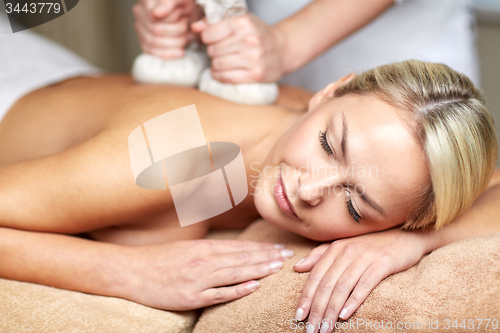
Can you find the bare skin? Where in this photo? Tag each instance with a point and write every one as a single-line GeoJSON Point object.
{"type": "Point", "coordinates": [244, 48]}
{"type": "Point", "coordinates": [65, 170]}
{"type": "Point", "coordinates": [102, 114]}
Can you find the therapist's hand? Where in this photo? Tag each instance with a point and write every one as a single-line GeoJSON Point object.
{"type": "Point", "coordinates": [344, 272]}
{"type": "Point", "coordinates": [243, 49]}
{"type": "Point", "coordinates": [162, 26]}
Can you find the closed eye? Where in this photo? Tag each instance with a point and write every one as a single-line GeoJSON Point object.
{"type": "Point", "coordinates": [354, 214]}
{"type": "Point", "coordinates": [324, 143]}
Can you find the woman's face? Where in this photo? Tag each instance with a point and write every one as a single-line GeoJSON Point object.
{"type": "Point", "coordinates": [349, 166]}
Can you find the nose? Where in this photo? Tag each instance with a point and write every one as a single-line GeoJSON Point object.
{"type": "Point", "coordinates": [314, 188]}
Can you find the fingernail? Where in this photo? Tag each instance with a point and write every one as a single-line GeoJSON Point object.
{"type": "Point", "coordinates": [300, 261]}
{"type": "Point", "coordinates": [275, 265]}
{"type": "Point", "coordinates": [279, 246]}
{"type": "Point", "coordinates": [310, 328]}
{"type": "Point", "coordinates": [324, 327]}
{"type": "Point", "coordinates": [253, 285]}
{"type": "Point", "coordinates": [286, 253]}
{"type": "Point", "coordinates": [343, 313]}
{"type": "Point", "coordinates": [299, 314]}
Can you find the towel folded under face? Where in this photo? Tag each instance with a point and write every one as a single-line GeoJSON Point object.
{"type": "Point", "coordinates": [460, 282]}
{"type": "Point", "coordinates": [29, 61]}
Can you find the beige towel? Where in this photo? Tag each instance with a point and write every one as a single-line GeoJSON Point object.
{"type": "Point", "coordinates": [459, 281]}
{"type": "Point", "coordinates": [28, 307]}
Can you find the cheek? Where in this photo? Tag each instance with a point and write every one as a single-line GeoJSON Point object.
{"type": "Point", "coordinates": [298, 149]}
{"type": "Point", "coordinates": [330, 221]}
{"type": "Point", "coordinates": [296, 144]}
{"type": "Point", "coordinates": [263, 192]}
{"type": "Point", "coordinates": [336, 229]}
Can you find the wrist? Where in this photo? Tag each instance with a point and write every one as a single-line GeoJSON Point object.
{"type": "Point", "coordinates": [119, 272]}
{"type": "Point", "coordinates": [283, 47]}
{"type": "Point", "coordinates": [428, 237]}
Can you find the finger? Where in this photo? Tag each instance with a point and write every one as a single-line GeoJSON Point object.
{"type": "Point", "coordinates": [233, 275]}
{"type": "Point", "coordinates": [367, 282]}
{"type": "Point", "coordinates": [140, 14]}
{"type": "Point", "coordinates": [345, 284]}
{"type": "Point", "coordinates": [324, 291]}
{"type": "Point", "coordinates": [143, 18]}
{"type": "Point", "coordinates": [165, 53]}
{"type": "Point", "coordinates": [174, 16]}
{"type": "Point", "coordinates": [230, 62]}
{"type": "Point", "coordinates": [199, 26]}
{"type": "Point", "coordinates": [156, 43]}
{"type": "Point", "coordinates": [224, 47]}
{"type": "Point", "coordinates": [173, 24]}
{"type": "Point", "coordinates": [163, 29]}
{"type": "Point", "coordinates": [220, 246]}
{"type": "Point", "coordinates": [168, 42]}
{"type": "Point", "coordinates": [216, 32]}
{"type": "Point", "coordinates": [225, 294]}
{"type": "Point", "coordinates": [247, 258]}
{"type": "Point", "coordinates": [162, 8]}
{"type": "Point", "coordinates": [308, 262]}
{"type": "Point", "coordinates": [312, 283]}
{"type": "Point", "coordinates": [178, 28]}
{"type": "Point", "coordinates": [149, 4]}
{"type": "Point", "coordinates": [237, 75]}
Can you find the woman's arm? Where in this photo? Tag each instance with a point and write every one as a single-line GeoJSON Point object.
{"type": "Point", "coordinates": [165, 276]}
{"type": "Point", "coordinates": [62, 261]}
{"type": "Point", "coordinates": [482, 218]}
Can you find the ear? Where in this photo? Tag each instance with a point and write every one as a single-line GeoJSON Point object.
{"type": "Point", "coordinates": [327, 92]}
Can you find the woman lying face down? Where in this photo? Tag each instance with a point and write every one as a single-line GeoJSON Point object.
{"type": "Point", "coordinates": [407, 144]}
{"type": "Point", "coordinates": [404, 144]}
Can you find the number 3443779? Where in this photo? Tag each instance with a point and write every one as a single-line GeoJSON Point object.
{"type": "Point", "coordinates": [33, 8]}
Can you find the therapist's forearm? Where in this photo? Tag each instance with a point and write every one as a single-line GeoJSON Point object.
{"type": "Point", "coordinates": [482, 218]}
{"type": "Point", "coordinates": [61, 261]}
{"type": "Point", "coordinates": [320, 25]}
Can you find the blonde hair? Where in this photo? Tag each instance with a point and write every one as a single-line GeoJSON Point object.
{"type": "Point", "coordinates": [453, 125]}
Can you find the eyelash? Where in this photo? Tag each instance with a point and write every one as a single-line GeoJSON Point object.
{"type": "Point", "coordinates": [326, 147]}
{"type": "Point", "coordinates": [351, 209]}
{"type": "Point", "coordinates": [324, 144]}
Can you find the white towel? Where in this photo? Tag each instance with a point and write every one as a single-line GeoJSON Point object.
{"type": "Point", "coordinates": [29, 62]}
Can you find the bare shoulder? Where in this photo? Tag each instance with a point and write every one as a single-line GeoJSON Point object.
{"type": "Point", "coordinates": [294, 97]}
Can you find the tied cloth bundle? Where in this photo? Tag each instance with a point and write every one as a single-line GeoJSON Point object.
{"type": "Point", "coordinates": [183, 71]}
{"type": "Point", "coordinates": [242, 93]}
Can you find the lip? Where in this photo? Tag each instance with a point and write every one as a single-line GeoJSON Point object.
{"type": "Point", "coordinates": [284, 203]}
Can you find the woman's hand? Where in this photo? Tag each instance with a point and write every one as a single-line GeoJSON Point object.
{"type": "Point", "coordinates": [345, 272]}
{"type": "Point", "coordinates": [243, 49]}
{"type": "Point", "coordinates": [192, 274]}
{"type": "Point", "coordinates": [162, 26]}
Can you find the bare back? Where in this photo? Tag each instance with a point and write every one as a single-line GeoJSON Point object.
{"type": "Point", "coordinates": [83, 124]}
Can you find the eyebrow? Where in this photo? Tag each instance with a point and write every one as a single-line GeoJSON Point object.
{"type": "Point", "coordinates": [343, 145]}
{"type": "Point", "coordinates": [344, 137]}
{"type": "Point", "coordinates": [372, 203]}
